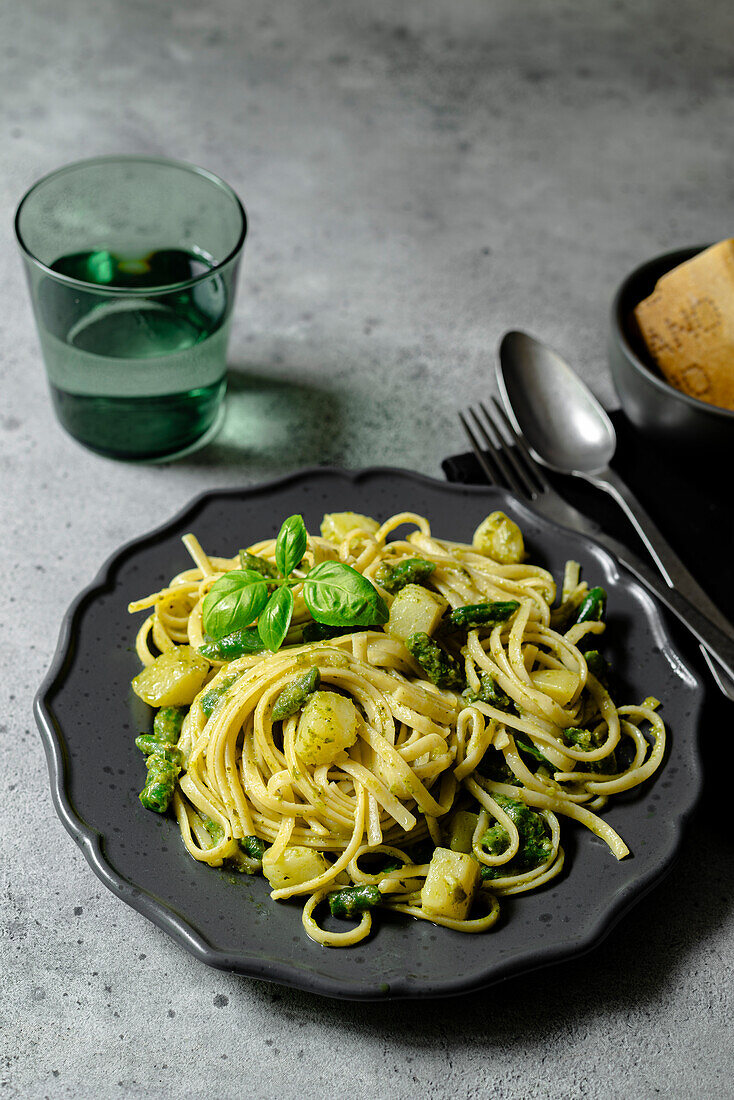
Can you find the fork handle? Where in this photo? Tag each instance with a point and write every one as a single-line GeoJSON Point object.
{"type": "Point", "coordinates": [718, 644]}
{"type": "Point", "coordinates": [669, 564]}
{"type": "Point", "coordinates": [662, 553]}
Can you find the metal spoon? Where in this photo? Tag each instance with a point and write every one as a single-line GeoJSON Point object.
{"type": "Point", "coordinates": [569, 431]}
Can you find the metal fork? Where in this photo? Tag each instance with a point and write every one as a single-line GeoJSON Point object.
{"type": "Point", "coordinates": [507, 462]}
{"type": "Point", "coordinates": [510, 465]}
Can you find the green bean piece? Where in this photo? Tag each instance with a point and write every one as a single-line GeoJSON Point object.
{"type": "Point", "coordinates": [158, 790]}
{"type": "Point", "coordinates": [233, 645]}
{"type": "Point", "coordinates": [147, 744]}
{"type": "Point", "coordinates": [167, 724]}
{"type": "Point", "coordinates": [210, 699]}
{"type": "Point", "coordinates": [253, 847]}
{"type": "Point", "coordinates": [294, 695]}
{"type": "Point", "coordinates": [593, 606]}
{"type": "Point", "coordinates": [353, 899]}
{"type": "Point", "coordinates": [412, 571]}
{"type": "Point", "coordinates": [598, 666]}
{"type": "Point", "coordinates": [160, 749]}
{"type": "Point", "coordinates": [489, 692]}
{"type": "Point", "coordinates": [164, 760]}
{"type": "Point", "coordinates": [257, 564]}
{"type": "Point", "coordinates": [440, 667]}
{"type": "Point", "coordinates": [476, 615]}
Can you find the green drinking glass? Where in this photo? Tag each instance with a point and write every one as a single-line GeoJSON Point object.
{"type": "Point", "coordinates": [132, 267]}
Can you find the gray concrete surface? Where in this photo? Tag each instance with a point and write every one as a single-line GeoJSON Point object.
{"type": "Point", "coordinates": [419, 177]}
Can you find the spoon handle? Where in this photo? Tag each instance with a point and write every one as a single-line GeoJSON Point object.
{"type": "Point", "coordinates": [718, 644]}
{"type": "Point", "coordinates": [662, 553]}
{"type": "Point", "coordinates": [669, 564]}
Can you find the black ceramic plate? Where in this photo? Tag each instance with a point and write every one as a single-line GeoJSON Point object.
{"type": "Point", "coordinates": [89, 717]}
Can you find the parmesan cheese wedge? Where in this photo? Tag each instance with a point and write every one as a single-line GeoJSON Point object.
{"type": "Point", "coordinates": [687, 324]}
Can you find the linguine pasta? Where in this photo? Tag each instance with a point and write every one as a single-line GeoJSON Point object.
{"type": "Point", "coordinates": [447, 798]}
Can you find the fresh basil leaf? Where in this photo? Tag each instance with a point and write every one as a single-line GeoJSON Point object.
{"type": "Point", "coordinates": [338, 595]}
{"type": "Point", "coordinates": [275, 618]}
{"type": "Point", "coordinates": [290, 546]}
{"type": "Point", "coordinates": [233, 602]}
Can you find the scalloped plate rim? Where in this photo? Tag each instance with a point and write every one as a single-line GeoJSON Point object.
{"type": "Point", "coordinates": [90, 840]}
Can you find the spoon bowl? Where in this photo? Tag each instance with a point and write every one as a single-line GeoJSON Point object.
{"type": "Point", "coordinates": [560, 418]}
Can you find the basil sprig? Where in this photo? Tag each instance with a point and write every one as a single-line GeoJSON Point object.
{"type": "Point", "coordinates": [335, 594]}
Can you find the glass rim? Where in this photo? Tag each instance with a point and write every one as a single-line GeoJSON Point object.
{"type": "Point", "coordinates": [69, 280]}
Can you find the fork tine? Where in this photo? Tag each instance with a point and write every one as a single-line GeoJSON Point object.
{"type": "Point", "coordinates": [498, 448]}
{"type": "Point", "coordinates": [479, 453]}
{"type": "Point", "coordinates": [522, 451]}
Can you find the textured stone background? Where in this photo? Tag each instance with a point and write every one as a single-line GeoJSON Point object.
{"type": "Point", "coordinates": [419, 177]}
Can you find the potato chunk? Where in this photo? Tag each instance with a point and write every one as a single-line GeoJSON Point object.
{"type": "Point", "coordinates": [558, 684]}
{"type": "Point", "coordinates": [415, 610]}
{"type": "Point", "coordinates": [293, 866]}
{"type": "Point", "coordinates": [499, 538]}
{"type": "Point", "coordinates": [335, 526]}
{"type": "Point", "coordinates": [450, 884]}
{"type": "Point", "coordinates": [328, 725]}
{"type": "Point", "coordinates": [174, 679]}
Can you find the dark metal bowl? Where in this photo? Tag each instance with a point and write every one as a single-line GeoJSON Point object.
{"type": "Point", "coordinates": [649, 401]}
